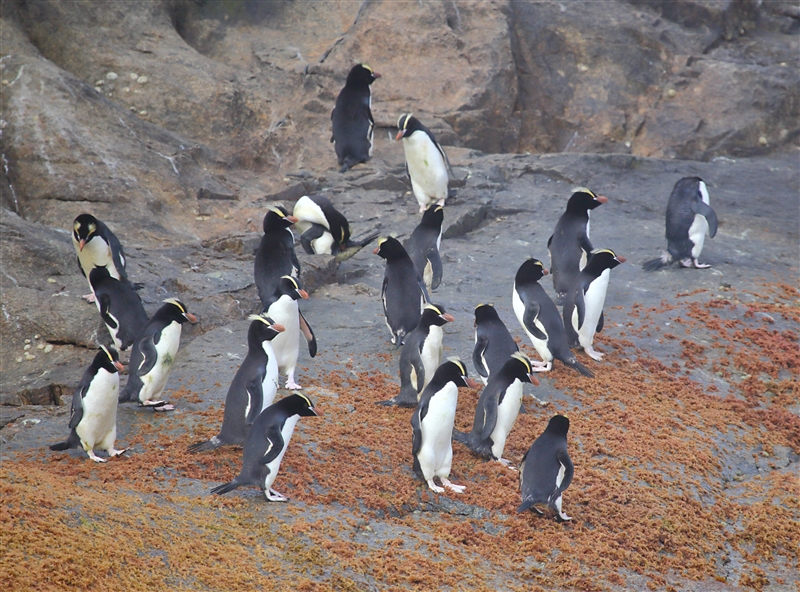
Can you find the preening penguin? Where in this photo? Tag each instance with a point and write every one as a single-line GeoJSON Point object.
{"type": "Point", "coordinates": [583, 307]}
{"type": "Point", "coordinates": [493, 342]}
{"type": "Point", "coordinates": [253, 388]}
{"type": "Point", "coordinates": [403, 293]}
{"type": "Point", "coordinates": [546, 469]}
{"type": "Point", "coordinates": [96, 246]}
{"type": "Point", "coordinates": [93, 417]}
{"type": "Point", "coordinates": [689, 219]}
{"type": "Point", "coordinates": [569, 245]}
{"type": "Point", "coordinates": [426, 163]}
{"type": "Point", "coordinates": [351, 118]}
{"type": "Point", "coordinates": [424, 243]}
{"type": "Point", "coordinates": [119, 305]}
{"type": "Point", "coordinates": [275, 256]}
{"type": "Point", "coordinates": [325, 230]}
{"type": "Point", "coordinates": [266, 444]}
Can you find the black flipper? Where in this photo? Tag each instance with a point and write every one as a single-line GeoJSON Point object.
{"type": "Point", "coordinates": [308, 333]}
{"type": "Point", "coordinates": [481, 343]}
{"type": "Point", "coordinates": [705, 210]}
{"type": "Point", "coordinates": [600, 323]}
{"type": "Point", "coordinates": [529, 318]}
{"type": "Point", "coordinates": [313, 233]}
{"type": "Point", "coordinates": [255, 392]}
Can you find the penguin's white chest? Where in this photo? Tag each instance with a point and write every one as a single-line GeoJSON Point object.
{"type": "Point", "coordinates": [540, 345]}
{"type": "Point", "coordinates": [269, 384]}
{"type": "Point", "coordinates": [431, 353]}
{"type": "Point", "coordinates": [274, 466]}
{"type": "Point", "coordinates": [96, 253]}
{"type": "Point", "coordinates": [426, 167]}
{"type": "Point", "coordinates": [699, 227]}
{"type": "Point", "coordinates": [507, 412]}
{"type": "Point", "coordinates": [166, 349]}
{"type": "Point", "coordinates": [594, 299]}
{"type": "Point", "coordinates": [436, 453]}
{"type": "Point", "coordinates": [99, 408]}
{"type": "Point", "coordinates": [287, 344]}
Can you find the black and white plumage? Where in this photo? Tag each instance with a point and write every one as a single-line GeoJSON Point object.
{"type": "Point", "coordinates": [426, 162]}
{"type": "Point", "coordinates": [325, 230]}
{"type": "Point", "coordinates": [569, 245]}
{"type": "Point", "coordinates": [689, 219]}
{"type": "Point", "coordinates": [498, 408]}
{"type": "Point", "coordinates": [541, 320]}
{"type": "Point", "coordinates": [153, 355]}
{"type": "Point", "coordinates": [493, 342]}
{"type": "Point", "coordinates": [351, 118]}
{"type": "Point", "coordinates": [253, 387]}
{"type": "Point", "coordinates": [547, 470]}
{"type": "Point", "coordinates": [424, 243]}
{"type": "Point", "coordinates": [93, 417]}
{"type": "Point", "coordinates": [96, 246]}
{"type": "Point", "coordinates": [432, 425]}
{"type": "Point", "coordinates": [266, 443]}
{"type": "Point", "coordinates": [583, 306]}
{"type": "Point", "coordinates": [275, 256]}
{"type": "Point", "coordinates": [403, 292]}
{"type": "Point", "coordinates": [421, 355]}
{"type": "Point", "coordinates": [120, 307]}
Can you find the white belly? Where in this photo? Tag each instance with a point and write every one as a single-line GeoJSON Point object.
{"type": "Point", "coordinates": [431, 353]}
{"type": "Point", "coordinates": [507, 413]}
{"type": "Point", "coordinates": [167, 348]}
{"type": "Point", "coordinates": [426, 167]}
{"type": "Point", "coordinates": [436, 453]}
{"type": "Point", "coordinates": [269, 385]}
{"type": "Point", "coordinates": [538, 344]}
{"type": "Point", "coordinates": [100, 409]}
{"type": "Point", "coordinates": [594, 299]}
{"type": "Point", "coordinates": [697, 234]}
{"type": "Point", "coordinates": [287, 344]}
{"type": "Point", "coordinates": [96, 253]}
{"type": "Point", "coordinates": [275, 465]}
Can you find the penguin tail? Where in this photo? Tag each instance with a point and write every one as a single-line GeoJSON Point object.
{"type": "Point", "coordinates": [461, 438]}
{"type": "Point", "coordinates": [353, 247]}
{"type": "Point", "coordinates": [131, 390]}
{"type": "Point", "coordinates": [211, 444]}
{"type": "Point", "coordinates": [348, 162]}
{"type": "Point", "coordinates": [573, 363]}
{"type": "Point", "coordinates": [402, 399]}
{"type": "Point", "coordinates": [528, 505]}
{"type": "Point", "coordinates": [72, 442]}
{"type": "Point", "coordinates": [656, 264]}
{"type": "Point", "coordinates": [226, 487]}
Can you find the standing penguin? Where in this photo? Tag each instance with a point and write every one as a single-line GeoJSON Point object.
{"type": "Point", "coordinates": [284, 310]}
{"type": "Point", "coordinates": [540, 318]}
{"type": "Point", "coordinates": [497, 409]}
{"type": "Point", "coordinates": [153, 355]}
{"type": "Point", "coordinates": [351, 118]}
{"type": "Point", "coordinates": [96, 246]}
{"type": "Point", "coordinates": [689, 219]}
{"type": "Point", "coordinates": [275, 256]}
{"type": "Point", "coordinates": [266, 444]}
{"type": "Point", "coordinates": [421, 355]}
{"type": "Point", "coordinates": [424, 243]}
{"type": "Point", "coordinates": [432, 424]}
{"type": "Point", "coordinates": [403, 293]}
{"type": "Point", "coordinates": [252, 389]}
{"type": "Point", "coordinates": [426, 163]}
{"type": "Point", "coordinates": [583, 308]}
{"type": "Point", "coordinates": [493, 342]}
{"type": "Point", "coordinates": [325, 230]}
{"type": "Point", "coordinates": [119, 305]}
{"type": "Point", "coordinates": [569, 245]}
{"type": "Point", "coordinates": [546, 469]}
{"type": "Point", "coordinates": [93, 418]}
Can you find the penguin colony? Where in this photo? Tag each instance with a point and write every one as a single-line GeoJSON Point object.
{"type": "Point", "coordinates": [580, 275]}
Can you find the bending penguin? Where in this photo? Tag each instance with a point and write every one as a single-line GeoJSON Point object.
{"type": "Point", "coordinates": [266, 444]}
{"type": "Point", "coordinates": [426, 163]}
{"type": "Point", "coordinates": [493, 342]}
{"type": "Point", "coordinates": [432, 425]}
{"type": "Point", "coordinates": [96, 246]}
{"type": "Point", "coordinates": [546, 470]}
{"type": "Point", "coordinates": [325, 230]}
{"type": "Point", "coordinates": [352, 120]}
{"type": "Point", "coordinates": [153, 355]}
{"type": "Point", "coordinates": [583, 308]}
{"type": "Point", "coordinates": [423, 246]}
{"type": "Point", "coordinates": [252, 389]}
{"type": "Point", "coordinates": [689, 219]}
{"type": "Point", "coordinates": [120, 307]}
{"type": "Point", "coordinates": [93, 417]}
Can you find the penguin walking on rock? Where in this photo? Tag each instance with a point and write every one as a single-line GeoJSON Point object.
{"type": "Point", "coordinates": [493, 342]}
{"type": "Point", "coordinates": [569, 245]}
{"type": "Point", "coordinates": [689, 219]}
{"type": "Point", "coordinates": [547, 470]}
{"type": "Point", "coordinates": [540, 318]}
{"type": "Point", "coordinates": [352, 120]}
{"type": "Point", "coordinates": [96, 246]}
{"type": "Point", "coordinates": [253, 388]}
{"type": "Point", "coordinates": [421, 355]}
{"type": "Point", "coordinates": [426, 162]}
{"type": "Point", "coordinates": [153, 355]}
{"type": "Point", "coordinates": [325, 230]}
{"type": "Point", "coordinates": [266, 443]}
{"type": "Point", "coordinates": [93, 417]}
{"type": "Point", "coordinates": [432, 425]}
{"type": "Point", "coordinates": [275, 256]}
{"type": "Point", "coordinates": [120, 307]}
{"type": "Point", "coordinates": [424, 243]}
{"type": "Point", "coordinates": [403, 292]}
{"type": "Point", "coordinates": [583, 307]}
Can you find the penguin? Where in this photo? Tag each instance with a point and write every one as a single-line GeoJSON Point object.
{"type": "Point", "coordinates": [421, 355]}
{"type": "Point", "coordinates": [583, 307]}
{"type": "Point", "coordinates": [284, 310]}
{"type": "Point", "coordinates": [689, 219]}
{"type": "Point", "coordinates": [497, 409]}
{"type": "Point", "coordinates": [319, 222]}
{"type": "Point", "coordinates": [93, 417]}
{"type": "Point", "coordinates": [120, 307]}
{"type": "Point", "coordinates": [569, 245]}
{"type": "Point", "coordinates": [540, 318]}
{"type": "Point", "coordinates": [424, 243]}
{"type": "Point", "coordinates": [153, 354]}
{"type": "Point", "coordinates": [96, 246]}
{"type": "Point", "coordinates": [266, 443]}
{"type": "Point", "coordinates": [253, 388]}
{"type": "Point", "coordinates": [432, 424]}
{"type": "Point", "coordinates": [493, 342]}
{"type": "Point", "coordinates": [351, 118]}
{"type": "Point", "coordinates": [275, 255]}
{"type": "Point", "coordinates": [546, 470]}
{"type": "Point", "coordinates": [403, 292]}
{"type": "Point", "coordinates": [426, 162]}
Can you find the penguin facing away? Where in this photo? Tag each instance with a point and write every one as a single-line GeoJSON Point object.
{"type": "Point", "coordinates": [421, 355]}
{"type": "Point", "coordinates": [493, 342]}
{"type": "Point", "coordinates": [266, 443]}
{"type": "Point", "coordinates": [426, 162]}
{"type": "Point", "coordinates": [424, 243]}
{"type": "Point", "coordinates": [689, 219]}
{"type": "Point", "coordinates": [275, 255]}
{"type": "Point", "coordinates": [432, 425]}
{"type": "Point", "coordinates": [93, 417]}
{"type": "Point", "coordinates": [583, 307]}
{"type": "Point", "coordinates": [252, 389]}
{"type": "Point", "coordinates": [96, 246]}
{"type": "Point", "coordinates": [546, 470]}
{"type": "Point", "coordinates": [541, 320]}
{"type": "Point", "coordinates": [120, 307]}
{"type": "Point", "coordinates": [352, 120]}
{"type": "Point", "coordinates": [325, 230]}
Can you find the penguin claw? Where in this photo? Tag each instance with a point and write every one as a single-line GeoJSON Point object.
{"type": "Point", "coordinates": [595, 355]}
{"type": "Point", "coordinates": [96, 458]}
{"type": "Point", "coordinates": [453, 486]}
{"type": "Point", "coordinates": [435, 488]}
{"type": "Point", "coordinates": [114, 452]}
{"type": "Point", "coordinates": [539, 402]}
{"type": "Point", "coordinates": [563, 517]}
{"type": "Point", "coordinates": [293, 386]}
{"type": "Point", "coordinates": [274, 496]}
{"type": "Point", "coordinates": [507, 463]}
{"type": "Point", "coordinates": [89, 297]}
{"type": "Point", "coordinates": [698, 265]}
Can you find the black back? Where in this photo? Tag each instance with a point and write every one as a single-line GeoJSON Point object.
{"type": "Point", "coordinates": [493, 342]}
{"type": "Point", "coordinates": [541, 464]}
{"type": "Point", "coordinates": [402, 291]}
{"type": "Point", "coordinates": [117, 299]}
{"type": "Point", "coordinates": [422, 246]}
{"type": "Point", "coordinates": [684, 202]}
{"type": "Point", "coordinates": [351, 118]}
{"type": "Point", "coordinates": [275, 256]}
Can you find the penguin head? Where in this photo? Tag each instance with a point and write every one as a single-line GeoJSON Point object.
{"type": "Point", "coordinates": [277, 218]}
{"type": "Point", "coordinates": [99, 274]}
{"type": "Point", "coordinates": [297, 404]}
{"type": "Point", "coordinates": [558, 425]}
{"type": "Point", "coordinates": [529, 272]}
{"type": "Point", "coordinates": [435, 314]}
{"type": "Point", "coordinates": [83, 229]}
{"type": "Point", "coordinates": [361, 75]}
{"type": "Point", "coordinates": [485, 313]}
{"type": "Point", "coordinates": [263, 328]}
{"type": "Point", "coordinates": [583, 200]}
{"type": "Point", "coordinates": [107, 359]}
{"type": "Point", "coordinates": [290, 286]}
{"type": "Point", "coordinates": [390, 248]}
{"type": "Point", "coordinates": [433, 217]}
{"type": "Point", "coordinates": [520, 367]}
{"type": "Point", "coordinates": [602, 259]}
{"type": "Point", "coordinates": [175, 310]}
{"type": "Point", "coordinates": [453, 370]}
{"type": "Point", "coordinates": [407, 124]}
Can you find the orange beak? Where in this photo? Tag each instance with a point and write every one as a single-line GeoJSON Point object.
{"type": "Point", "coordinates": [119, 366]}
{"type": "Point", "coordinates": [375, 252]}
{"type": "Point", "coordinates": [471, 383]}
{"type": "Point", "coordinates": [317, 411]}
{"type": "Point", "coordinates": [399, 135]}
{"type": "Point", "coordinates": [81, 244]}
{"type": "Point", "coordinates": [303, 293]}
{"type": "Point", "coordinates": [191, 317]}
{"type": "Point", "coordinates": [534, 380]}
{"type": "Point", "coordinates": [278, 327]}
{"type": "Point", "coordinates": [621, 259]}
{"type": "Point", "coordinates": [602, 199]}
{"type": "Point", "coordinates": [448, 317]}
{"type": "Point", "coordinates": [545, 272]}
{"type": "Point", "coordinates": [292, 219]}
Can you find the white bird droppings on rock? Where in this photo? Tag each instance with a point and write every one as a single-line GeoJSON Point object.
{"type": "Point", "coordinates": [112, 76]}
